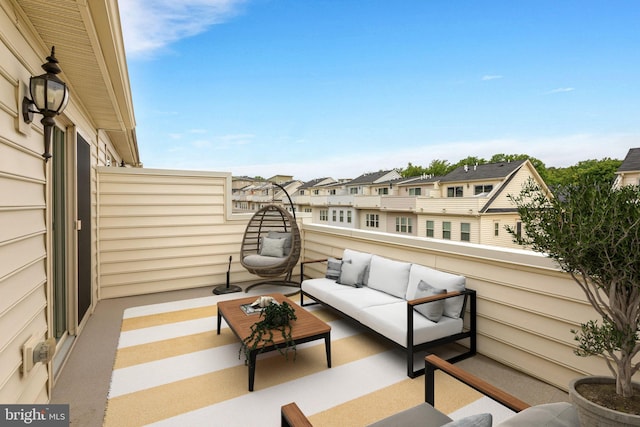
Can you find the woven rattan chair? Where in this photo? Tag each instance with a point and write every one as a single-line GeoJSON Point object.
{"type": "Point", "coordinates": [271, 224]}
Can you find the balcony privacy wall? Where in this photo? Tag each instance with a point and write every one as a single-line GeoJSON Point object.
{"type": "Point", "coordinates": [161, 230]}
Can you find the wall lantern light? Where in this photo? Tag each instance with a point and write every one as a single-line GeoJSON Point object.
{"type": "Point", "coordinates": [49, 95]}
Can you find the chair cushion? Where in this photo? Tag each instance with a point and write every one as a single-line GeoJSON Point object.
{"type": "Point", "coordinates": [559, 414]}
{"type": "Point", "coordinates": [422, 415]}
{"type": "Point", "coordinates": [477, 420]}
{"type": "Point", "coordinates": [389, 276]}
{"type": "Point", "coordinates": [433, 310]}
{"type": "Point", "coordinates": [438, 279]}
{"type": "Point", "coordinates": [262, 261]}
{"type": "Point", "coordinates": [272, 247]}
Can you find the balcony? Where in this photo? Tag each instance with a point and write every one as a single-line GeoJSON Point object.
{"type": "Point", "coordinates": [153, 248]}
{"type": "Point", "coordinates": [450, 205]}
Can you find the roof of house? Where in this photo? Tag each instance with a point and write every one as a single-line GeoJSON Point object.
{"type": "Point", "coordinates": [485, 171]}
{"type": "Point", "coordinates": [369, 178]}
{"type": "Point", "coordinates": [421, 179]}
{"type": "Point", "coordinates": [313, 183]}
{"type": "Point", "coordinates": [631, 162]}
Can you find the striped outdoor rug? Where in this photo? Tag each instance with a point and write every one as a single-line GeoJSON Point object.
{"type": "Point", "coordinates": [172, 369]}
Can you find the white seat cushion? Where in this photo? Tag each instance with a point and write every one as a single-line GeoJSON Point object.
{"type": "Point", "coordinates": [262, 261]}
{"type": "Point", "coordinates": [438, 279]}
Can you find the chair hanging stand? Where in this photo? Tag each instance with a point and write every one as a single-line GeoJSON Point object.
{"type": "Point", "coordinates": [227, 289]}
{"type": "Point", "coordinates": [271, 245]}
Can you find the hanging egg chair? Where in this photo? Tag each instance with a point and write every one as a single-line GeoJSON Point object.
{"type": "Point", "coordinates": [271, 245]}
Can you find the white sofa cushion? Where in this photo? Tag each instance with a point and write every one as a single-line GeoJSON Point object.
{"type": "Point", "coordinates": [321, 287]}
{"type": "Point", "coordinates": [361, 258]}
{"type": "Point", "coordinates": [390, 320]}
{"type": "Point", "coordinates": [389, 276]}
{"type": "Point", "coordinates": [437, 279]}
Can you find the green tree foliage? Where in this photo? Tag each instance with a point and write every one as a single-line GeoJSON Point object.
{"type": "Point", "coordinates": [598, 170]}
{"type": "Point", "coordinates": [435, 168]}
{"type": "Point", "coordinates": [593, 232]}
{"type": "Point", "coordinates": [412, 170]}
{"type": "Point", "coordinates": [470, 161]}
{"type": "Point", "coordinates": [537, 163]}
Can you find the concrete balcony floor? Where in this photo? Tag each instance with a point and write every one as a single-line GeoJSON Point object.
{"type": "Point", "coordinates": [84, 380]}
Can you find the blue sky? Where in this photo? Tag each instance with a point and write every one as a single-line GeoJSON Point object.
{"type": "Point", "coordinates": [315, 88]}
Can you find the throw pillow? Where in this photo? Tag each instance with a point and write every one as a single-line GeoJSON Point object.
{"type": "Point", "coordinates": [479, 420]}
{"type": "Point", "coordinates": [334, 266]}
{"type": "Point", "coordinates": [433, 310]}
{"type": "Point", "coordinates": [282, 235]}
{"type": "Point", "coordinates": [351, 275]}
{"type": "Point", "coordinates": [272, 247]}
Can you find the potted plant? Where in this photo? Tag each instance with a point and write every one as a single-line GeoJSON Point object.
{"type": "Point", "coordinates": [592, 231]}
{"type": "Point", "coordinates": [275, 319]}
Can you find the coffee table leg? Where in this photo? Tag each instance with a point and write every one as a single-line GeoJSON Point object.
{"type": "Point", "coordinates": [219, 322]}
{"type": "Point", "coordinates": [327, 346]}
{"type": "Point", "coordinates": [252, 369]}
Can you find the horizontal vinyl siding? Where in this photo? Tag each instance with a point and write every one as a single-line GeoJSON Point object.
{"type": "Point", "coordinates": [165, 230]}
{"type": "Point", "coordinates": [22, 228]}
{"type": "Point", "coordinates": [526, 306]}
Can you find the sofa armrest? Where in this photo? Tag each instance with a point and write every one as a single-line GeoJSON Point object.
{"type": "Point", "coordinates": [311, 261]}
{"type": "Point", "coordinates": [433, 362]}
{"type": "Point", "coordinates": [424, 300]}
{"type": "Point", "coordinates": [292, 416]}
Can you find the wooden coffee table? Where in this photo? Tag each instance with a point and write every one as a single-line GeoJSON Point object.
{"type": "Point", "coordinates": [306, 328]}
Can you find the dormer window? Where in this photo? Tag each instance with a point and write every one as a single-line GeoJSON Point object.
{"type": "Point", "coordinates": [480, 189]}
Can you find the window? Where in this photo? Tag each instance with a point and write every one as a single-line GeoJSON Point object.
{"type": "Point", "coordinates": [415, 191]}
{"type": "Point", "coordinates": [383, 191]}
{"type": "Point", "coordinates": [454, 191]}
{"type": "Point", "coordinates": [302, 192]}
{"type": "Point", "coordinates": [353, 190]}
{"type": "Point", "coordinates": [332, 192]}
{"type": "Point", "coordinates": [479, 189]}
{"type": "Point", "coordinates": [349, 217]}
{"type": "Point", "coordinates": [465, 232]}
{"type": "Point", "coordinates": [324, 215]}
{"type": "Point", "coordinates": [496, 229]}
{"type": "Point", "coordinates": [446, 230]}
{"type": "Point", "coordinates": [341, 216]}
{"type": "Point", "coordinates": [404, 224]}
{"type": "Point", "coordinates": [333, 215]}
{"type": "Point", "coordinates": [372, 220]}
{"type": "Point", "coordinates": [430, 229]}
{"type": "Point", "coordinates": [519, 229]}
{"type": "Point", "coordinates": [316, 192]}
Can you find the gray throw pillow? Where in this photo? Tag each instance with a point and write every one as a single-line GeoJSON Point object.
{"type": "Point", "coordinates": [334, 266]}
{"type": "Point", "coordinates": [433, 310]}
{"type": "Point", "coordinates": [351, 275]}
{"type": "Point", "coordinates": [479, 420]}
{"type": "Point", "coordinates": [272, 247]}
{"type": "Point", "coordinates": [282, 235]}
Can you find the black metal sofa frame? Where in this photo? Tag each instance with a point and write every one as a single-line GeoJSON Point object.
{"type": "Point", "coordinates": [411, 348]}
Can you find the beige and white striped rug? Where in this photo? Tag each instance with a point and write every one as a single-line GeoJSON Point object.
{"type": "Point", "coordinates": [172, 369]}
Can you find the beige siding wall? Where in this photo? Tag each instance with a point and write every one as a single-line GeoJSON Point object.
{"type": "Point", "coordinates": [23, 225]}
{"type": "Point", "coordinates": [526, 306]}
{"type": "Point", "coordinates": [513, 187]}
{"type": "Point", "coordinates": [162, 230]}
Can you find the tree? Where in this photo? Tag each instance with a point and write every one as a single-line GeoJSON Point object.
{"type": "Point", "coordinates": [470, 161]}
{"type": "Point", "coordinates": [598, 170]}
{"type": "Point", "coordinates": [593, 232]}
{"type": "Point", "coordinates": [412, 170]}
{"type": "Point", "coordinates": [439, 167]}
{"type": "Point", "coordinates": [537, 163]}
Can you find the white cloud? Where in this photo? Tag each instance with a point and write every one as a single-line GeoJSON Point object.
{"type": "Point", "coordinates": [561, 90]}
{"type": "Point", "coordinates": [491, 77]}
{"type": "Point", "coordinates": [150, 25]}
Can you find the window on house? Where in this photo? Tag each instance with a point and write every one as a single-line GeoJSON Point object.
{"type": "Point", "coordinates": [332, 192]}
{"type": "Point", "coordinates": [454, 191]}
{"type": "Point", "coordinates": [519, 229]}
{"type": "Point", "coordinates": [353, 190]}
{"type": "Point", "coordinates": [496, 229]}
{"type": "Point", "coordinates": [404, 224]}
{"type": "Point", "coordinates": [324, 215]}
{"type": "Point", "coordinates": [334, 217]}
{"type": "Point", "coordinates": [302, 192]}
{"type": "Point", "coordinates": [446, 230]}
{"type": "Point", "coordinates": [415, 191]}
{"type": "Point", "coordinates": [316, 192]}
{"type": "Point", "coordinates": [479, 189]}
{"type": "Point", "coordinates": [349, 217]}
{"type": "Point", "coordinates": [372, 220]}
{"type": "Point", "coordinates": [465, 232]}
{"type": "Point", "coordinates": [430, 229]}
{"type": "Point", "coordinates": [341, 216]}
{"type": "Point", "coordinates": [383, 191]}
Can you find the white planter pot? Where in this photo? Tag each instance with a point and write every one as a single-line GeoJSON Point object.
{"type": "Point", "coordinates": [593, 415]}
